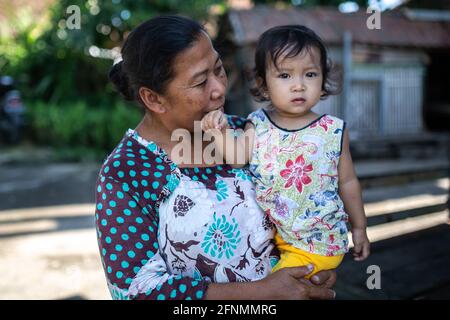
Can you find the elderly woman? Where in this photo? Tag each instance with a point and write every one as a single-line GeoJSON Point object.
{"type": "Point", "coordinates": [168, 229]}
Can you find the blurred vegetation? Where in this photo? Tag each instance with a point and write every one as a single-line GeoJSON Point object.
{"type": "Point", "coordinates": [57, 64]}
{"type": "Point", "coordinates": [62, 72]}
{"type": "Point", "coordinates": [76, 128]}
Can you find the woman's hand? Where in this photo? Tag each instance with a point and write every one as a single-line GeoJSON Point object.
{"type": "Point", "coordinates": [290, 284]}
{"type": "Point", "coordinates": [214, 120]}
{"type": "Point", "coordinates": [284, 284]}
{"type": "Point", "coordinates": [324, 278]}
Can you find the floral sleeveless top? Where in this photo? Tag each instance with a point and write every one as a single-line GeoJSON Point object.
{"type": "Point", "coordinates": [296, 178]}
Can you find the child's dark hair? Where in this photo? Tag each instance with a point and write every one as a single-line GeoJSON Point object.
{"type": "Point", "coordinates": [149, 52]}
{"type": "Point", "coordinates": [288, 41]}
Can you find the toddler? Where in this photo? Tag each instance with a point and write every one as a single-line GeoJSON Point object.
{"type": "Point", "coordinates": [300, 161]}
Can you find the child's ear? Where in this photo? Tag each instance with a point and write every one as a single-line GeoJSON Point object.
{"type": "Point", "coordinates": [259, 82]}
{"type": "Point", "coordinates": [152, 100]}
{"type": "Point", "coordinates": [262, 87]}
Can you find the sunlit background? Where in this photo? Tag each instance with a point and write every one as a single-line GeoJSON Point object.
{"type": "Point", "coordinates": [395, 98]}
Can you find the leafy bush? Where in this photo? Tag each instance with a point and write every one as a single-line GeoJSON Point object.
{"type": "Point", "coordinates": [78, 126]}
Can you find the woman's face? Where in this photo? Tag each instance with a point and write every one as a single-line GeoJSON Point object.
{"type": "Point", "coordinates": [198, 86]}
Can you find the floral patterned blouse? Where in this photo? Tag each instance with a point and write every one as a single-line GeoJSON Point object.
{"type": "Point", "coordinates": [296, 178]}
{"type": "Point", "coordinates": [166, 232]}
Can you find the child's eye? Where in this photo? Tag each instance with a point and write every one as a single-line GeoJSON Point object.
{"type": "Point", "coordinates": [311, 74]}
{"type": "Point", "coordinates": [283, 76]}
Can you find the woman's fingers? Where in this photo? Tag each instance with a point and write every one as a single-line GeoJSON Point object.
{"type": "Point", "coordinates": [289, 283]}
{"type": "Point", "coordinates": [321, 293]}
{"type": "Point", "coordinates": [300, 272]}
{"type": "Point", "coordinates": [324, 278]}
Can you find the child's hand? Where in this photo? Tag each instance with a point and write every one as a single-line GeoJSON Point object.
{"type": "Point", "coordinates": [214, 120]}
{"type": "Point", "coordinates": [361, 244]}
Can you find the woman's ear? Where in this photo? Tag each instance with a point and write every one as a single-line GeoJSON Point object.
{"type": "Point", "coordinates": [152, 100]}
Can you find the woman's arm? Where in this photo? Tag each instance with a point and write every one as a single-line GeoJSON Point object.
{"type": "Point", "coordinates": [350, 193]}
{"type": "Point", "coordinates": [127, 237]}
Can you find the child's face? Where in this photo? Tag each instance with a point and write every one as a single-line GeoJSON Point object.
{"type": "Point", "coordinates": [296, 86]}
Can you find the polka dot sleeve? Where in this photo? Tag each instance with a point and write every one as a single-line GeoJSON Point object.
{"type": "Point", "coordinates": [236, 122]}
{"type": "Point", "coordinates": [128, 191]}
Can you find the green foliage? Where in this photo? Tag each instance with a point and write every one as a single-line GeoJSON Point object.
{"type": "Point", "coordinates": [80, 125]}
{"type": "Point", "coordinates": [56, 65]}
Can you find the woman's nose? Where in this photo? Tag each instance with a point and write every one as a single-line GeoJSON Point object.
{"type": "Point", "coordinates": [219, 87]}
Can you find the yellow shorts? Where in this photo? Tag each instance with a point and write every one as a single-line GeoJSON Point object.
{"type": "Point", "coordinates": [291, 256]}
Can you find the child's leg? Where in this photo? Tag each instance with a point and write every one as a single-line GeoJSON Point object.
{"type": "Point", "coordinates": [291, 256]}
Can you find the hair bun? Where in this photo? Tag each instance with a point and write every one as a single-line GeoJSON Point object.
{"type": "Point", "coordinates": [120, 81]}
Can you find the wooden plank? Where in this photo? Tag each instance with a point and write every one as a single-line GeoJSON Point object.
{"type": "Point", "coordinates": [412, 266]}
{"type": "Point", "coordinates": [87, 209]}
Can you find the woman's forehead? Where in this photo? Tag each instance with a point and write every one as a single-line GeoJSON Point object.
{"type": "Point", "coordinates": [195, 59]}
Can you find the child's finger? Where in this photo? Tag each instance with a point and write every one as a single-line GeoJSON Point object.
{"type": "Point", "coordinates": [211, 122]}
{"type": "Point", "coordinates": [217, 119]}
{"type": "Point", "coordinates": [357, 252]}
{"type": "Point", "coordinates": [206, 122]}
{"type": "Point", "coordinates": [220, 121]}
{"type": "Point", "coordinates": [366, 250]}
{"type": "Point", "coordinates": [203, 123]}
{"type": "Point", "coordinates": [223, 121]}
{"type": "Point", "coordinates": [357, 248]}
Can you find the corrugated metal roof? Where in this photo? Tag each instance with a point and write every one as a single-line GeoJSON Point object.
{"type": "Point", "coordinates": [330, 25]}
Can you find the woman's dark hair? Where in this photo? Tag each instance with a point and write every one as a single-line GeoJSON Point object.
{"type": "Point", "coordinates": [149, 52]}
{"type": "Point", "coordinates": [288, 41]}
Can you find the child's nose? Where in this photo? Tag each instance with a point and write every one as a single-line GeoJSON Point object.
{"type": "Point", "coordinates": [299, 87]}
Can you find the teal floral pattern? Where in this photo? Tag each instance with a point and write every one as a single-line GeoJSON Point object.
{"type": "Point", "coordinates": [222, 190]}
{"type": "Point", "coordinates": [242, 174]}
{"type": "Point", "coordinates": [118, 294]}
{"type": "Point", "coordinates": [226, 231]}
{"type": "Point", "coordinates": [221, 238]}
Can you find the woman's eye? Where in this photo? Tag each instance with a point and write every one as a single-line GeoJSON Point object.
{"type": "Point", "coordinates": [311, 74]}
{"type": "Point", "coordinates": [202, 84]}
{"type": "Point", "coordinates": [283, 76]}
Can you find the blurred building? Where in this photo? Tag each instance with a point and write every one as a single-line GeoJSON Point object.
{"type": "Point", "coordinates": [392, 77]}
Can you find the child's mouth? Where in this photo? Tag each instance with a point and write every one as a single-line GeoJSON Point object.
{"type": "Point", "coordinates": [298, 100]}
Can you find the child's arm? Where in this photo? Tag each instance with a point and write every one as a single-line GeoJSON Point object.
{"type": "Point", "coordinates": [234, 150]}
{"type": "Point", "coordinates": [350, 193]}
